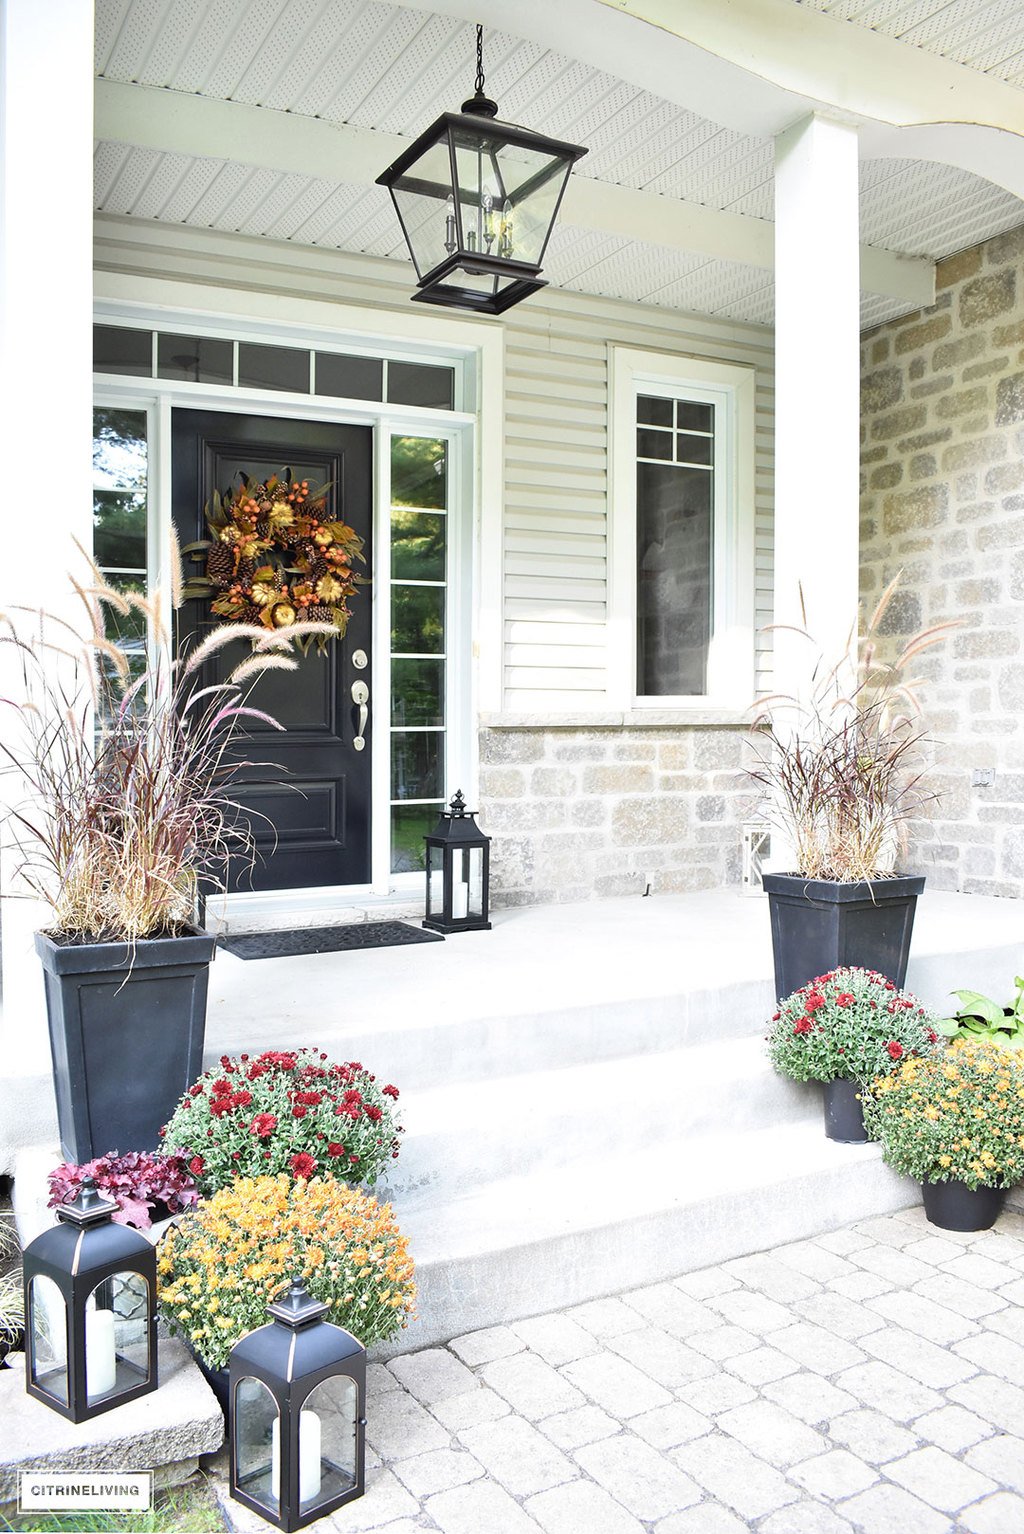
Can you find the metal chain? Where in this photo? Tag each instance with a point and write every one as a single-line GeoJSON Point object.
{"type": "Point", "coordinates": [479, 59]}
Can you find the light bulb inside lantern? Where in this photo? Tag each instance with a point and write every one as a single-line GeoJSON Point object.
{"type": "Point", "coordinates": [505, 246]}
{"type": "Point", "coordinates": [450, 241]}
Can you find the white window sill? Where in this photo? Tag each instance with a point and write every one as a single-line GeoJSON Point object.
{"type": "Point", "coordinates": [698, 716]}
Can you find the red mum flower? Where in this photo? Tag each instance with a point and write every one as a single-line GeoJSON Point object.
{"type": "Point", "coordinates": [222, 1087]}
{"type": "Point", "coordinates": [845, 999]}
{"type": "Point", "coordinates": [390, 1091]}
{"type": "Point", "coordinates": [263, 1125]}
{"type": "Point", "coordinates": [197, 1166]}
{"type": "Point", "coordinates": [241, 1099]}
{"type": "Point", "coordinates": [933, 1037]}
{"type": "Point", "coordinates": [219, 1106]}
{"type": "Point", "coordinates": [814, 1001]}
{"type": "Point", "coordinates": [335, 1148]}
{"type": "Point", "coordinates": [299, 1110]}
{"type": "Point", "coordinates": [197, 1090]}
{"type": "Point", "coordinates": [372, 1113]}
{"type": "Point", "coordinates": [803, 1026]}
{"type": "Point", "coordinates": [895, 1050]}
{"type": "Point", "coordinates": [303, 1164]}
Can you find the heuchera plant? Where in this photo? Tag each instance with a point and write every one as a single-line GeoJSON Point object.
{"type": "Point", "coordinates": [139, 1181]}
{"type": "Point", "coordinates": [285, 1111]}
{"type": "Point", "coordinates": [850, 1024]}
{"type": "Point", "coordinates": [953, 1117]}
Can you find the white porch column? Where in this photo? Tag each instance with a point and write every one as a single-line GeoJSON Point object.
{"type": "Point", "coordinates": [817, 390]}
{"type": "Point", "coordinates": [46, 130]}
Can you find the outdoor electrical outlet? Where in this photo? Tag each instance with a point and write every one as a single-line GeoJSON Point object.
{"type": "Point", "coordinates": [983, 777]}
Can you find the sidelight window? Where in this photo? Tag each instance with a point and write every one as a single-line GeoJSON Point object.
{"type": "Point", "coordinates": [419, 642]}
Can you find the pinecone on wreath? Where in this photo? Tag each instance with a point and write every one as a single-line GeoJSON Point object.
{"type": "Point", "coordinates": [220, 564]}
{"type": "Point", "coordinates": [246, 570]}
{"type": "Point", "coordinates": [317, 613]}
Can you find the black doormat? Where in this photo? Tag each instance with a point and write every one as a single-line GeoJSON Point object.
{"type": "Point", "coordinates": [365, 934]}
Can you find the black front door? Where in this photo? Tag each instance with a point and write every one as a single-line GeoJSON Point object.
{"type": "Point", "coordinates": [311, 788]}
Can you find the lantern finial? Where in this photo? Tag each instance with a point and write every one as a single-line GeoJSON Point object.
{"type": "Point", "coordinates": [297, 1307]}
{"type": "Point", "coordinates": [458, 803]}
{"type": "Point", "coordinates": [88, 1207]}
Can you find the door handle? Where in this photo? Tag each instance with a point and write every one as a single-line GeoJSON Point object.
{"type": "Point", "coordinates": [361, 697]}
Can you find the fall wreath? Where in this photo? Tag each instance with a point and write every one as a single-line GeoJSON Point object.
{"type": "Point", "coordinates": [277, 557]}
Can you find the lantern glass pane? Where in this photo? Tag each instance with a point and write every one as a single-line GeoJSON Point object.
{"type": "Point", "coordinates": [422, 195]}
{"type": "Point", "coordinates": [460, 884]}
{"type": "Point", "coordinates": [328, 1442]}
{"type": "Point", "coordinates": [48, 1337]}
{"type": "Point", "coordinates": [435, 881]}
{"type": "Point", "coordinates": [475, 900]}
{"type": "Point", "coordinates": [116, 1336]}
{"type": "Point", "coordinates": [256, 1429]}
{"type": "Point", "coordinates": [508, 195]}
{"type": "Point", "coordinates": [481, 194]}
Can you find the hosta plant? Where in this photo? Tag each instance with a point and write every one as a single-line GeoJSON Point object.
{"type": "Point", "coordinates": [290, 1111]}
{"type": "Point", "coordinates": [851, 1024]}
{"type": "Point", "coordinates": [140, 1181]}
{"type": "Point", "coordinates": [219, 1267]}
{"type": "Point", "coordinates": [979, 1016]}
{"type": "Point", "coordinates": [953, 1116]}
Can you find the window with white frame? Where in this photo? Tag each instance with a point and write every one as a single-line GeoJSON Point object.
{"type": "Point", "coordinates": [681, 530]}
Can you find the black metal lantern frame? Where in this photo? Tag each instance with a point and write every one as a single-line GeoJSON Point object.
{"type": "Point", "coordinates": [458, 872]}
{"type": "Point", "coordinates": [477, 199]}
{"type": "Point", "coordinates": [297, 1423]}
{"type": "Point", "coordinates": [90, 1310]}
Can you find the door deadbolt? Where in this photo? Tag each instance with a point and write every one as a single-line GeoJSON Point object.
{"type": "Point", "coordinates": [360, 659]}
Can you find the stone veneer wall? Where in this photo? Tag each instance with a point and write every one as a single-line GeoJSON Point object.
{"type": "Point", "coordinates": [943, 497]}
{"type": "Point", "coordinates": [577, 812]}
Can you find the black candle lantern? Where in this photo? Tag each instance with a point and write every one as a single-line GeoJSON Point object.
{"type": "Point", "coordinates": [90, 1310]}
{"type": "Point", "coordinates": [297, 1423]}
{"type": "Point", "coordinates": [477, 200]}
{"type": "Point", "coordinates": [458, 872]}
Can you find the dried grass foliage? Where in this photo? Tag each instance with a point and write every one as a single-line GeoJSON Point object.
{"type": "Point", "coordinates": [843, 771]}
{"type": "Point", "coordinates": [128, 781]}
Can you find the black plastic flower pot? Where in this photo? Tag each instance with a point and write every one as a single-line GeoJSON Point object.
{"type": "Point", "coordinates": [820, 925]}
{"type": "Point", "coordinates": [954, 1206]}
{"type": "Point", "coordinates": [126, 1034]}
{"type": "Point", "coordinates": [844, 1113]}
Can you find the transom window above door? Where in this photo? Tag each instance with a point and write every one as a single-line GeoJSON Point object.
{"type": "Point", "coordinates": [144, 353]}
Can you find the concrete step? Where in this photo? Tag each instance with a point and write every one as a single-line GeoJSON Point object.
{"type": "Point", "coordinates": [559, 1236]}
{"type": "Point", "coordinates": [460, 1136]}
{"type": "Point", "coordinates": [164, 1432]}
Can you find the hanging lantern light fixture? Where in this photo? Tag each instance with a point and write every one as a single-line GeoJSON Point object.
{"type": "Point", "coordinates": [477, 200]}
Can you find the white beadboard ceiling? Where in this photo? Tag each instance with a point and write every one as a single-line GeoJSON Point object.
{"type": "Point", "coordinates": [987, 35]}
{"type": "Point", "coordinates": [392, 69]}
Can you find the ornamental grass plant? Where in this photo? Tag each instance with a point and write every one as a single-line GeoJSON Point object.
{"type": "Point", "coordinates": [851, 1024]}
{"type": "Point", "coordinates": [220, 1266]}
{"type": "Point", "coordinates": [842, 769]}
{"type": "Point", "coordinates": [126, 760]}
{"type": "Point", "coordinates": [291, 1112]}
{"type": "Point", "coordinates": [956, 1116]}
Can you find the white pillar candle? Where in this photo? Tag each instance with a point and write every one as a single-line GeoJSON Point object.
{"type": "Point", "coordinates": [100, 1362]}
{"type": "Point", "coordinates": [309, 1457]}
{"type": "Point", "coordinates": [460, 887]}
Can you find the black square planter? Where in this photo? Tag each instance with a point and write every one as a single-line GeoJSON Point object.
{"type": "Point", "coordinates": [127, 1028]}
{"type": "Point", "coordinates": [819, 925]}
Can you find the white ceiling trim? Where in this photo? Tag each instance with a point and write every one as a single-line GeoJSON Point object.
{"type": "Point", "coordinates": [289, 143]}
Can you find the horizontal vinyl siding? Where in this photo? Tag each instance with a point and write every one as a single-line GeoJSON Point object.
{"type": "Point", "coordinates": [555, 533]}
{"type": "Point", "coordinates": [555, 544]}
